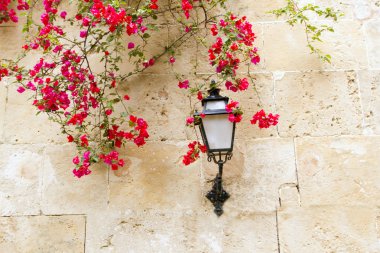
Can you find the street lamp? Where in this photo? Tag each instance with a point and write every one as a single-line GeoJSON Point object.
{"type": "Point", "coordinates": [218, 136]}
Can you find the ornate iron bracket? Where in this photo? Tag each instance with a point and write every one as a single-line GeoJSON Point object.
{"type": "Point", "coordinates": [218, 195]}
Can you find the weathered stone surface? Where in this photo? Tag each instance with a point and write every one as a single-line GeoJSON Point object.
{"type": "Point", "coordinates": [345, 6]}
{"type": "Point", "coordinates": [152, 231]}
{"type": "Point", "coordinates": [156, 179]}
{"type": "Point", "coordinates": [358, 9]}
{"type": "Point", "coordinates": [328, 229]}
{"type": "Point", "coordinates": [372, 31]}
{"type": "Point", "coordinates": [369, 82]}
{"type": "Point", "coordinates": [20, 179]}
{"type": "Point", "coordinates": [3, 97]}
{"type": "Point", "coordinates": [62, 192]}
{"type": "Point", "coordinates": [255, 174]}
{"type": "Point", "coordinates": [346, 47]}
{"type": "Point", "coordinates": [42, 234]}
{"type": "Point", "coordinates": [187, 56]}
{"type": "Point", "coordinates": [159, 101]}
{"type": "Point", "coordinates": [158, 40]}
{"type": "Point", "coordinates": [318, 103]}
{"type": "Point", "coordinates": [11, 40]}
{"type": "Point", "coordinates": [258, 96]}
{"type": "Point", "coordinates": [256, 11]}
{"type": "Point", "coordinates": [338, 171]}
{"type": "Point", "coordinates": [24, 126]}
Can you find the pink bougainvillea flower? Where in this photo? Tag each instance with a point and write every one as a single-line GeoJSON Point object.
{"type": "Point", "coordinates": [231, 105]}
{"type": "Point", "coordinates": [184, 84]}
{"type": "Point", "coordinates": [126, 97]}
{"type": "Point", "coordinates": [200, 95]}
{"type": "Point", "coordinates": [20, 89]}
{"type": "Point", "coordinates": [265, 121]}
{"type": "Point", "coordinates": [189, 121]}
{"type": "Point", "coordinates": [63, 14]}
{"type": "Point", "coordinates": [171, 60]}
{"type": "Point", "coordinates": [131, 45]}
{"type": "Point", "coordinates": [195, 148]}
{"type": "Point", "coordinates": [83, 34]}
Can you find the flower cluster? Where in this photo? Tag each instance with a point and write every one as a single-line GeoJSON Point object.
{"type": "Point", "coordinates": [64, 86]}
{"type": "Point", "coordinates": [7, 14]}
{"type": "Point", "coordinates": [234, 43]}
{"type": "Point", "coordinates": [265, 121]}
{"type": "Point", "coordinates": [235, 113]}
{"type": "Point", "coordinates": [115, 18]}
{"type": "Point", "coordinates": [186, 7]}
{"type": "Point", "coordinates": [3, 73]}
{"type": "Point", "coordinates": [82, 165]}
{"type": "Point", "coordinates": [195, 148]}
{"type": "Point", "coordinates": [85, 101]}
{"type": "Point", "coordinates": [112, 159]}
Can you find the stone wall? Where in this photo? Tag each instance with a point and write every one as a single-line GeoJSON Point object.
{"type": "Point", "coordinates": [311, 185]}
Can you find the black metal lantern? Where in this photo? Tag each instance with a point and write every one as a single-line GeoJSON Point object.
{"type": "Point", "coordinates": [218, 135]}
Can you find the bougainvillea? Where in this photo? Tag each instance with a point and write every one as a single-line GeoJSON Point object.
{"type": "Point", "coordinates": [85, 102]}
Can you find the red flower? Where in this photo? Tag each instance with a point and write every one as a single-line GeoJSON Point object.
{"type": "Point", "coordinates": [200, 95]}
{"type": "Point", "coordinates": [214, 30]}
{"type": "Point", "coordinates": [20, 89]}
{"type": "Point", "coordinates": [126, 97]}
{"type": "Point", "coordinates": [235, 118]}
{"type": "Point", "coordinates": [84, 141]}
{"type": "Point", "coordinates": [184, 84]}
{"type": "Point", "coordinates": [63, 14]}
{"type": "Point", "coordinates": [232, 105]}
{"type": "Point", "coordinates": [186, 7]}
{"type": "Point", "coordinates": [192, 154]}
{"type": "Point", "coordinates": [70, 138]}
{"type": "Point", "coordinates": [131, 45]}
{"type": "Point", "coordinates": [108, 112]}
{"type": "Point", "coordinates": [153, 5]}
{"type": "Point", "coordinates": [265, 121]}
{"type": "Point", "coordinates": [189, 121]}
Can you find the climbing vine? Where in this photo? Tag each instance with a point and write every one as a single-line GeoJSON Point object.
{"type": "Point", "coordinates": [64, 84]}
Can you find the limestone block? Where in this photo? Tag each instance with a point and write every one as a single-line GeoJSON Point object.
{"type": "Point", "coordinates": [160, 102]}
{"type": "Point", "coordinates": [256, 11]}
{"type": "Point", "coordinates": [328, 229]}
{"type": "Point", "coordinates": [347, 7]}
{"type": "Point", "coordinates": [42, 234]}
{"type": "Point", "coordinates": [318, 103]}
{"type": "Point", "coordinates": [372, 33]}
{"type": "Point", "coordinates": [62, 192]}
{"type": "Point", "coordinates": [20, 179]}
{"type": "Point", "coordinates": [187, 54]}
{"type": "Point", "coordinates": [285, 47]}
{"type": "Point", "coordinates": [157, 42]}
{"type": "Point", "coordinates": [156, 178]}
{"type": "Point", "coordinates": [358, 9]}
{"type": "Point", "coordinates": [152, 231]}
{"type": "Point", "coordinates": [369, 82]}
{"type": "Point", "coordinates": [232, 232]}
{"type": "Point", "coordinates": [11, 41]}
{"type": "Point", "coordinates": [3, 97]}
{"type": "Point", "coordinates": [289, 195]}
{"type": "Point", "coordinates": [135, 232]}
{"type": "Point", "coordinates": [22, 125]}
{"type": "Point", "coordinates": [258, 96]}
{"type": "Point", "coordinates": [254, 175]}
{"type": "Point", "coordinates": [338, 171]}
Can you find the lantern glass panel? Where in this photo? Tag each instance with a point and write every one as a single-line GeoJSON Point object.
{"type": "Point", "coordinates": [215, 105]}
{"type": "Point", "coordinates": [218, 130]}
